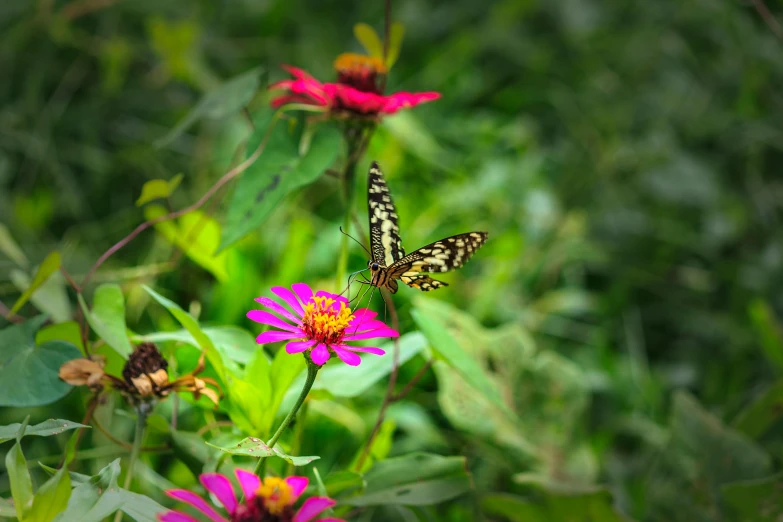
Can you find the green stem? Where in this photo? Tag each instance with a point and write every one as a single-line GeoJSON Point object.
{"type": "Point", "coordinates": [141, 423]}
{"type": "Point", "coordinates": [312, 371]}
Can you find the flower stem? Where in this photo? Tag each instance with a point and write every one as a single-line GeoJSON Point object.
{"type": "Point", "coordinates": [141, 423]}
{"type": "Point", "coordinates": [312, 371]}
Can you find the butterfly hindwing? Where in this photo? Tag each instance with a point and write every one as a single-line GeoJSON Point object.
{"type": "Point", "coordinates": [423, 282]}
{"type": "Point", "coordinates": [385, 242]}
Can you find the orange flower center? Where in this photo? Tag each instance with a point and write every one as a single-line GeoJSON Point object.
{"type": "Point", "coordinates": [325, 322]}
{"type": "Point", "coordinates": [277, 494]}
{"type": "Point", "coordinates": [359, 71]}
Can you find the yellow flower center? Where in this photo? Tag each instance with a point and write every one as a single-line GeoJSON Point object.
{"type": "Point", "coordinates": [359, 71]}
{"type": "Point", "coordinates": [276, 493]}
{"type": "Point", "coordinates": [325, 322]}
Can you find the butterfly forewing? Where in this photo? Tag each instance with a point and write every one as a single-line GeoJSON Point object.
{"type": "Point", "coordinates": [385, 242]}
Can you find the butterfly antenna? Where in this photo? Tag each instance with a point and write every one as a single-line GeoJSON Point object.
{"type": "Point", "coordinates": [369, 301]}
{"type": "Point", "coordinates": [350, 276]}
{"type": "Point", "coordinates": [357, 241]}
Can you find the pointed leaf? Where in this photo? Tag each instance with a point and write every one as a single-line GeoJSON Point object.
{"type": "Point", "coordinates": [254, 447]}
{"type": "Point", "coordinates": [52, 497]}
{"type": "Point", "coordinates": [418, 479]}
{"type": "Point", "coordinates": [44, 429]}
{"type": "Point", "coordinates": [197, 235]}
{"type": "Point", "coordinates": [369, 39]}
{"type": "Point", "coordinates": [158, 189]}
{"type": "Point", "coordinates": [227, 99]}
{"type": "Point", "coordinates": [49, 266]}
{"type": "Point", "coordinates": [107, 317]}
{"type": "Point", "coordinates": [21, 483]}
{"type": "Point", "coordinates": [279, 170]}
{"type": "Point", "coordinates": [191, 325]}
{"type": "Point", "coordinates": [10, 248]}
{"type": "Point", "coordinates": [396, 35]}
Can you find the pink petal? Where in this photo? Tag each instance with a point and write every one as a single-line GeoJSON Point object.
{"type": "Point", "coordinates": [175, 516]}
{"type": "Point", "coordinates": [296, 72]}
{"type": "Point", "coordinates": [296, 98]}
{"type": "Point", "coordinates": [268, 303]}
{"type": "Point", "coordinates": [387, 332]}
{"type": "Point", "coordinates": [320, 354]}
{"type": "Point", "coordinates": [197, 502]}
{"type": "Point", "coordinates": [406, 100]}
{"type": "Point", "coordinates": [349, 358]}
{"type": "Point", "coordinates": [249, 482]}
{"type": "Point", "coordinates": [370, 324]}
{"type": "Point", "coordinates": [312, 507]}
{"type": "Point", "coordinates": [263, 317]}
{"type": "Point", "coordinates": [365, 349]}
{"type": "Point", "coordinates": [298, 484]}
{"type": "Point", "coordinates": [273, 336]}
{"type": "Point", "coordinates": [288, 296]}
{"type": "Point", "coordinates": [298, 346]}
{"type": "Point", "coordinates": [361, 315]}
{"type": "Point", "coordinates": [221, 487]}
{"type": "Point", "coordinates": [304, 292]}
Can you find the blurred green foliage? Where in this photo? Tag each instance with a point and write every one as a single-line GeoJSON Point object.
{"type": "Point", "coordinates": [614, 351]}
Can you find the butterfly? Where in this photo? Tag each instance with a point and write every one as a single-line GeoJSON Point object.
{"type": "Point", "coordinates": [389, 261]}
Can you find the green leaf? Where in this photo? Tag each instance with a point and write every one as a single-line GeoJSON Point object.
{"type": "Point", "coordinates": [283, 373]}
{"type": "Point", "coordinates": [253, 447]}
{"type": "Point", "coordinates": [755, 500]}
{"type": "Point", "coordinates": [107, 317]}
{"type": "Point", "coordinates": [49, 266]}
{"type": "Point", "coordinates": [369, 39]}
{"type": "Point", "coordinates": [586, 505]}
{"type": "Point", "coordinates": [764, 411]}
{"type": "Point", "coordinates": [343, 483]}
{"type": "Point", "coordinates": [19, 477]}
{"type": "Point", "coordinates": [10, 248]}
{"type": "Point", "coordinates": [190, 448]}
{"type": "Point", "coordinates": [381, 446]}
{"type": "Point", "coordinates": [771, 336]}
{"type": "Point", "coordinates": [396, 35]}
{"type": "Point", "coordinates": [197, 235]}
{"type": "Point", "coordinates": [30, 373]}
{"type": "Point", "coordinates": [280, 169]}
{"type": "Point", "coordinates": [232, 342]}
{"type": "Point", "coordinates": [418, 479]}
{"type": "Point", "coordinates": [158, 189]}
{"type": "Point", "coordinates": [68, 331]}
{"type": "Point", "coordinates": [227, 99]}
{"type": "Point", "coordinates": [51, 298]}
{"type": "Point", "coordinates": [7, 508]}
{"type": "Point", "coordinates": [191, 325]}
{"type": "Point", "coordinates": [44, 429]}
{"type": "Point", "coordinates": [342, 380]}
{"type": "Point", "coordinates": [448, 348]}
{"type": "Point", "coordinates": [100, 497]}
{"type": "Point", "coordinates": [52, 497]}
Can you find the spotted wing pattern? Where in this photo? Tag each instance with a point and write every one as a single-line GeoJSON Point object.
{"type": "Point", "coordinates": [441, 256]}
{"type": "Point", "coordinates": [385, 242]}
{"type": "Point", "coordinates": [423, 282]}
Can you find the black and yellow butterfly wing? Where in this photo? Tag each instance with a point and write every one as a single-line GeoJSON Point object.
{"type": "Point", "coordinates": [385, 242]}
{"type": "Point", "coordinates": [387, 251]}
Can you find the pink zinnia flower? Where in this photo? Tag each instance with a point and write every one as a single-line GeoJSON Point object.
{"type": "Point", "coordinates": [320, 324]}
{"type": "Point", "coordinates": [271, 500]}
{"type": "Point", "coordinates": [357, 91]}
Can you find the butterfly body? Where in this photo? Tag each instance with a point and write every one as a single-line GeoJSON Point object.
{"type": "Point", "coordinates": [389, 262]}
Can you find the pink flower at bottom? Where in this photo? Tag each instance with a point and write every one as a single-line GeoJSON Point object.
{"type": "Point", "coordinates": [270, 501]}
{"type": "Point", "coordinates": [320, 324]}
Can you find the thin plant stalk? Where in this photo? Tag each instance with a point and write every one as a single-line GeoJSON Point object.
{"type": "Point", "coordinates": [141, 424]}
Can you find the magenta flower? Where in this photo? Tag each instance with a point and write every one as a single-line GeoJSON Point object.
{"type": "Point", "coordinates": [271, 500]}
{"type": "Point", "coordinates": [320, 324]}
{"type": "Point", "coordinates": [356, 92]}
